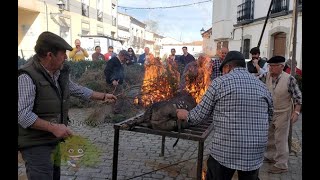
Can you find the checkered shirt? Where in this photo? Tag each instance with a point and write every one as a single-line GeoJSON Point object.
{"type": "Point", "coordinates": [241, 107]}
{"type": "Point", "coordinates": [27, 94]}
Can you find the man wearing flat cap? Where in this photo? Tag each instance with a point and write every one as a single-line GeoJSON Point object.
{"type": "Point", "coordinates": [241, 109]}
{"type": "Point", "coordinates": [287, 101]}
{"type": "Point", "coordinates": [44, 88]}
{"type": "Point", "coordinates": [114, 74]}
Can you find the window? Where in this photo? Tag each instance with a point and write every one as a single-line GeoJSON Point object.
{"type": "Point", "coordinates": [99, 30]}
{"type": "Point", "coordinates": [246, 48]}
{"type": "Point", "coordinates": [85, 7]}
{"type": "Point", "coordinates": [85, 32]}
{"type": "Point", "coordinates": [245, 11]}
{"type": "Point", "coordinates": [221, 44]}
{"type": "Point", "coordinates": [99, 11]}
{"type": "Point", "coordinates": [114, 15]}
{"type": "Point", "coordinates": [112, 34]}
{"type": "Point", "coordinates": [279, 6]}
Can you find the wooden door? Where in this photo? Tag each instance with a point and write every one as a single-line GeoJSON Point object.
{"type": "Point", "coordinates": [279, 46]}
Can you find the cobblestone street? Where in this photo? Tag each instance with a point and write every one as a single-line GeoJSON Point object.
{"type": "Point", "coordinates": [139, 153]}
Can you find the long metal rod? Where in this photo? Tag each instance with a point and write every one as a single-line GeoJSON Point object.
{"type": "Point", "coordinates": [265, 23]}
{"type": "Point", "coordinates": [115, 154]}
{"type": "Point", "coordinates": [200, 160]}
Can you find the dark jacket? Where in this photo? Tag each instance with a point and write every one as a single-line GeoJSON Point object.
{"type": "Point", "coordinates": [253, 69]}
{"type": "Point", "coordinates": [50, 104]}
{"type": "Point", "coordinates": [133, 59]}
{"type": "Point", "coordinates": [186, 59]}
{"type": "Point", "coordinates": [142, 58]}
{"type": "Point", "coordinates": [114, 71]}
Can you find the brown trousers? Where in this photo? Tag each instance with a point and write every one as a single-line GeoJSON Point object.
{"type": "Point", "coordinates": [277, 147]}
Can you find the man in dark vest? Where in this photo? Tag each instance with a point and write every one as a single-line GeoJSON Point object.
{"type": "Point", "coordinates": [44, 88]}
{"type": "Point", "coordinates": [257, 66]}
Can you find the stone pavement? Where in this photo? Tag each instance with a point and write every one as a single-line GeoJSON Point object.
{"type": "Point", "coordinates": [139, 153]}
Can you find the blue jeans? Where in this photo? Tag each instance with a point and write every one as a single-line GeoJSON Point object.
{"type": "Point", "coordinates": [42, 162]}
{"type": "Point", "coordinates": [215, 171]}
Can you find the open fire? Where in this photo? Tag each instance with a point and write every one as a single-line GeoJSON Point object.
{"type": "Point", "coordinates": [161, 81]}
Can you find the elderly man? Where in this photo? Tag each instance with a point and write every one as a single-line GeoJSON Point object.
{"type": "Point", "coordinates": [44, 89]}
{"type": "Point", "coordinates": [78, 53]}
{"type": "Point", "coordinates": [114, 73]}
{"type": "Point", "coordinates": [287, 101]}
{"type": "Point", "coordinates": [146, 56]}
{"type": "Point", "coordinates": [217, 62]}
{"type": "Point", "coordinates": [241, 106]}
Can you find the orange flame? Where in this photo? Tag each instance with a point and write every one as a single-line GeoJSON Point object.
{"type": "Point", "coordinates": [161, 82]}
{"type": "Point", "coordinates": [197, 77]}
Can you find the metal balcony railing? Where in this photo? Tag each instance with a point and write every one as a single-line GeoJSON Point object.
{"type": "Point", "coordinates": [279, 6]}
{"type": "Point", "coordinates": [245, 11]}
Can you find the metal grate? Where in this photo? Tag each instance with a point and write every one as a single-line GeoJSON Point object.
{"type": "Point", "coordinates": [279, 6]}
{"type": "Point", "coordinates": [196, 133]}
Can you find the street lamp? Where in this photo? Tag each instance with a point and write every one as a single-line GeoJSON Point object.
{"type": "Point", "coordinates": [202, 31]}
{"type": "Point", "coordinates": [61, 6]}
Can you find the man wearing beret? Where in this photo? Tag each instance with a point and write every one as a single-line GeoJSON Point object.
{"type": "Point", "coordinates": [287, 101]}
{"type": "Point", "coordinates": [257, 66]}
{"type": "Point", "coordinates": [44, 88]}
{"type": "Point", "coordinates": [241, 109]}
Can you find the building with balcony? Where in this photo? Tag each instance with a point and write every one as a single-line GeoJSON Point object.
{"type": "Point", "coordinates": [76, 19]}
{"type": "Point", "coordinates": [238, 25]}
{"type": "Point", "coordinates": [158, 44]}
{"type": "Point", "coordinates": [137, 35]}
{"type": "Point", "coordinates": [124, 25]}
{"type": "Point", "coordinates": [149, 41]}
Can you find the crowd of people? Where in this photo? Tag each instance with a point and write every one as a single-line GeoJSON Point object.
{"type": "Point", "coordinates": [252, 104]}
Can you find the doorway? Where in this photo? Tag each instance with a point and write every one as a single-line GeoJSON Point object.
{"type": "Point", "coordinates": [279, 45]}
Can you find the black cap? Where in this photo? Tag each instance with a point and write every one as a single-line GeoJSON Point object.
{"type": "Point", "coordinates": [255, 50]}
{"type": "Point", "coordinates": [125, 53]}
{"type": "Point", "coordinates": [232, 56]}
{"type": "Point", "coordinates": [50, 39]}
{"type": "Point", "coordinates": [277, 59]}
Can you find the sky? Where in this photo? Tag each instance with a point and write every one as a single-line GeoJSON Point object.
{"type": "Point", "coordinates": [181, 23]}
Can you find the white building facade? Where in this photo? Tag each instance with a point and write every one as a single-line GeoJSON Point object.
{"type": "Point", "coordinates": [124, 29]}
{"type": "Point", "coordinates": [170, 40]}
{"type": "Point", "coordinates": [238, 24]}
{"type": "Point", "coordinates": [76, 19]}
{"type": "Point", "coordinates": [137, 33]}
{"type": "Point", "coordinates": [149, 41]}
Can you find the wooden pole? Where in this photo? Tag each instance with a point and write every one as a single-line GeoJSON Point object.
{"type": "Point", "coordinates": [293, 58]}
